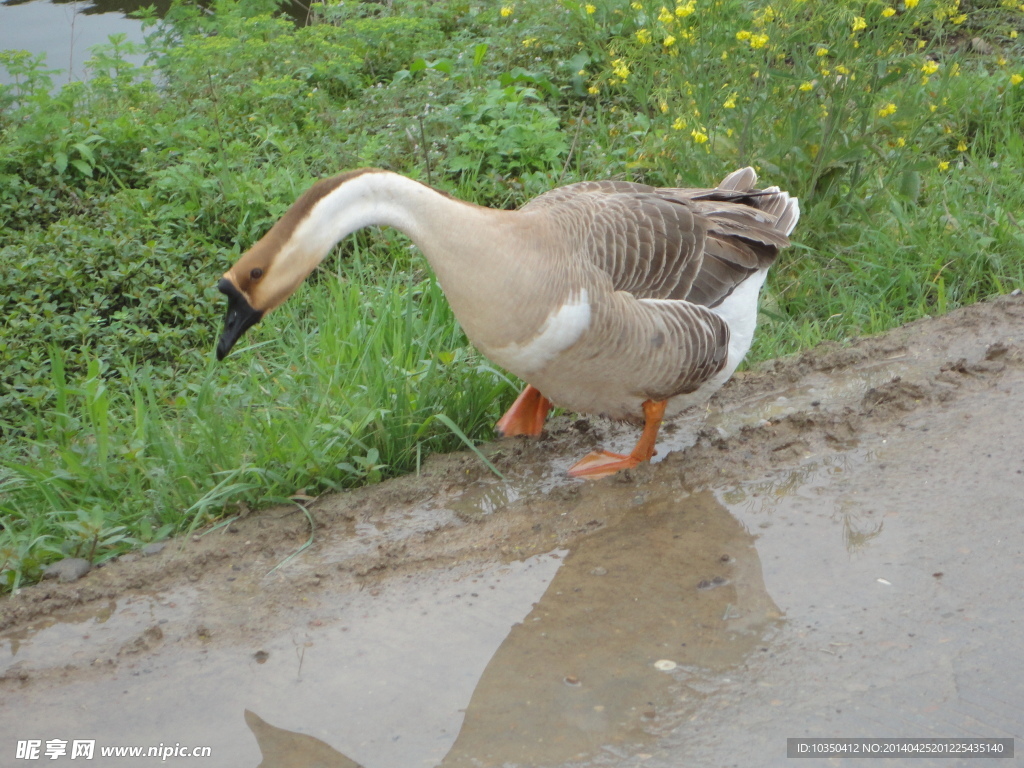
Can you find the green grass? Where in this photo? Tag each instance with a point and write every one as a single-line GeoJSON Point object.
{"type": "Point", "coordinates": [123, 198]}
{"type": "Point", "coordinates": [349, 383]}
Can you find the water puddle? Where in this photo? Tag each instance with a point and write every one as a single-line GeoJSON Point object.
{"type": "Point", "coordinates": [554, 658]}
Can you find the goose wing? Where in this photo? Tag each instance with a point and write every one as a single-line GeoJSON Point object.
{"type": "Point", "coordinates": [695, 245]}
{"type": "Point", "coordinates": [671, 256]}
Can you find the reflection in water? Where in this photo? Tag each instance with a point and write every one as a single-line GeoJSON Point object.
{"type": "Point", "coordinates": [286, 749]}
{"type": "Point", "coordinates": [65, 30]}
{"type": "Point", "coordinates": [823, 479]}
{"type": "Point", "coordinates": [122, 7]}
{"type": "Point", "coordinates": [858, 532]}
{"type": "Point", "coordinates": [675, 580]}
{"type": "Point", "coordinates": [579, 673]}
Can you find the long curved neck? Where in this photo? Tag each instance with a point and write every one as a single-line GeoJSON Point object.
{"type": "Point", "coordinates": [487, 261]}
{"type": "Point", "coordinates": [436, 223]}
{"type": "Point", "coordinates": [471, 249]}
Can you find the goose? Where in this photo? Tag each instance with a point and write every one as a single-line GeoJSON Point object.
{"type": "Point", "coordinates": [606, 297]}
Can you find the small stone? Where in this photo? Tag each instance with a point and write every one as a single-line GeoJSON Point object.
{"type": "Point", "coordinates": [68, 569]}
{"type": "Point", "coordinates": [715, 581]}
{"type": "Point", "coordinates": [665, 665]}
{"type": "Point", "coordinates": [981, 46]}
{"type": "Point", "coordinates": [153, 548]}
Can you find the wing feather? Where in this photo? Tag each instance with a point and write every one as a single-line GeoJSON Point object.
{"type": "Point", "coordinates": [695, 245]}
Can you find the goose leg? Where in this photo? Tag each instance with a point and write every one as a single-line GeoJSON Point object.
{"type": "Point", "coordinates": [527, 414]}
{"type": "Point", "coordinates": [600, 464]}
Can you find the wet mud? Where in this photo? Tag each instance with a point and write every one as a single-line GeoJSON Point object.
{"type": "Point", "coordinates": [835, 548]}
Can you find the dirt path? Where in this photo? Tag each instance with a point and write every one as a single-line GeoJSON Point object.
{"type": "Point", "coordinates": [834, 549]}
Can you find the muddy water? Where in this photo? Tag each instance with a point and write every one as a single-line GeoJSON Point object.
{"type": "Point", "coordinates": [868, 589]}
{"type": "Point", "coordinates": [537, 661]}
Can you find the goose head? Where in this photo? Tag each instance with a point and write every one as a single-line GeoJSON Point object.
{"type": "Point", "coordinates": [271, 271]}
{"type": "Point", "coordinates": [256, 284]}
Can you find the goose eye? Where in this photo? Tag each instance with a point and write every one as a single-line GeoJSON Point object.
{"type": "Point", "coordinates": [256, 274]}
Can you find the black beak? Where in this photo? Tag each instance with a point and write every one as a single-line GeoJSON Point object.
{"type": "Point", "coordinates": [240, 317]}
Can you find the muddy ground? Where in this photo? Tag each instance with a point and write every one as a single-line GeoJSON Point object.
{"type": "Point", "coordinates": [835, 548]}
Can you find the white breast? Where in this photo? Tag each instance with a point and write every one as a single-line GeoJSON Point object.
{"type": "Point", "coordinates": [560, 330]}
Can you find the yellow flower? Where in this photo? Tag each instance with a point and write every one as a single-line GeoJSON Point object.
{"type": "Point", "coordinates": [730, 103]}
{"type": "Point", "coordinates": [932, 107]}
{"type": "Point", "coordinates": [921, 44]}
{"type": "Point", "coordinates": [643, 36]}
{"type": "Point", "coordinates": [764, 17]}
{"type": "Point", "coordinates": [590, 9]}
{"type": "Point", "coordinates": [665, 16]}
{"type": "Point", "coordinates": [959, 19]}
{"type": "Point", "coordinates": [743, 35]}
{"type": "Point", "coordinates": [1016, 79]}
{"type": "Point", "coordinates": [962, 146]}
{"type": "Point", "coordinates": [679, 124]}
{"type": "Point", "coordinates": [806, 86]}
{"type": "Point", "coordinates": [887, 110]}
{"type": "Point", "coordinates": [663, 106]}
{"type": "Point", "coordinates": [699, 137]}
{"type": "Point", "coordinates": [530, 41]}
{"type": "Point", "coordinates": [758, 41]}
{"type": "Point", "coordinates": [910, 4]}
{"type": "Point", "coordinates": [943, 165]}
{"type": "Point", "coordinates": [821, 52]}
{"type": "Point", "coordinates": [506, 11]}
{"type": "Point", "coordinates": [620, 69]}
{"type": "Point", "coordinates": [825, 71]}
{"type": "Point", "coordinates": [1001, 61]}
{"type": "Point", "coordinates": [930, 67]}
{"type": "Point", "coordinates": [859, 23]}
{"type": "Point", "coordinates": [901, 142]}
{"type": "Point", "coordinates": [887, 12]}
{"type": "Point", "coordinates": [669, 41]}
{"type": "Point", "coordinates": [682, 11]}
{"type": "Point", "coordinates": [636, 6]}
{"type": "Point", "coordinates": [1013, 34]}
{"type": "Point", "coordinates": [593, 90]}
{"type": "Point", "coordinates": [842, 70]}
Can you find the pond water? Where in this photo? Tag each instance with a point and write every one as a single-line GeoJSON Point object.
{"type": "Point", "coordinates": [66, 31]}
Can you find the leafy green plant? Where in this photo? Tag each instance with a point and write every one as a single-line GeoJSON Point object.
{"type": "Point", "coordinates": [89, 534]}
{"type": "Point", "coordinates": [124, 197]}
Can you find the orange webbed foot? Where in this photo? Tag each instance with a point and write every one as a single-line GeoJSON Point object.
{"type": "Point", "coordinates": [526, 416]}
{"type": "Point", "coordinates": [600, 464]}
